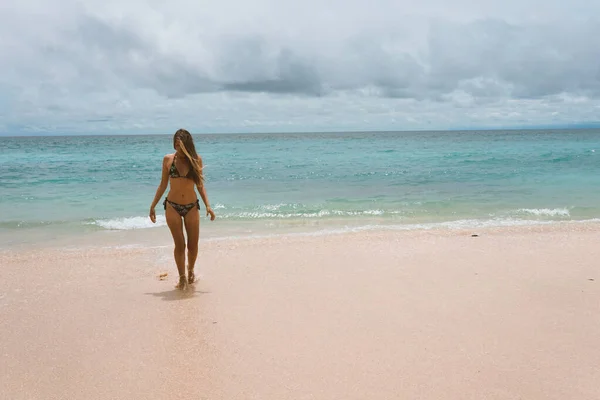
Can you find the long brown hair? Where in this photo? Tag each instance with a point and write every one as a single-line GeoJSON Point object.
{"type": "Point", "coordinates": [188, 148]}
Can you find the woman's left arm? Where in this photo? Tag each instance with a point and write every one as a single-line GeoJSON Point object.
{"type": "Point", "coordinates": [202, 191]}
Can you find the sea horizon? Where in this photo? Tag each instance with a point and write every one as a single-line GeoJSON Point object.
{"type": "Point", "coordinates": [466, 129]}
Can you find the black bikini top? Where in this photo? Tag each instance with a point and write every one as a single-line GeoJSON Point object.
{"type": "Point", "coordinates": [174, 173]}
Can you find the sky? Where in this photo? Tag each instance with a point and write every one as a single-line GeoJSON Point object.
{"type": "Point", "coordinates": [112, 67]}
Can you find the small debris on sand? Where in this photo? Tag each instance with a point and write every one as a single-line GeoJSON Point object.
{"type": "Point", "coordinates": [163, 275]}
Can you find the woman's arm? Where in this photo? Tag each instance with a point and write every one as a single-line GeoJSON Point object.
{"type": "Point", "coordinates": [164, 182]}
{"type": "Point", "coordinates": [202, 191]}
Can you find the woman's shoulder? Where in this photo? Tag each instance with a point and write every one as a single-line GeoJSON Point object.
{"type": "Point", "coordinates": [168, 157]}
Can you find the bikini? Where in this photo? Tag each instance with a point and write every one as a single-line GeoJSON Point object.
{"type": "Point", "coordinates": [182, 209]}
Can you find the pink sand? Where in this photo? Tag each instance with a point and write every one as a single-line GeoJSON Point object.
{"type": "Point", "coordinates": [512, 314]}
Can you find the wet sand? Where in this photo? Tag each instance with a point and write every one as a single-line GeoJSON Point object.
{"type": "Point", "coordinates": [513, 313]}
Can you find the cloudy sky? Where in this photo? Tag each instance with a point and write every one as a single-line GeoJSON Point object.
{"type": "Point", "coordinates": [142, 66]}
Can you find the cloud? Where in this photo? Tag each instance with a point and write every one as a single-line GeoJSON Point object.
{"type": "Point", "coordinates": [235, 66]}
{"type": "Point", "coordinates": [291, 75]}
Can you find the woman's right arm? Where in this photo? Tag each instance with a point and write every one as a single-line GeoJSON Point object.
{"type": "Point", "coordinates": [164, 182]}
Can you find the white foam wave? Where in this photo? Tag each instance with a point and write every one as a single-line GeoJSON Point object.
{"type": "Point", "coordinates": [130, 223]}
{"type": "Point", "coordinates": [275, 207]}
{"type": "Point", "coordinates": [265, 215]}
{"type": "Point", "coordinates": [316, 214]}
{"type": "Point", "coordinates": [449, 225]}
{"type": "Point", "coordinates": [366, 212]}
{"type": "Point", "coordinates": [545, 212]}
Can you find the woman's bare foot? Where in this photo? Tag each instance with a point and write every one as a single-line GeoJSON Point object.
{"type": "Point", "coordinates": [191, 276]}
{"type": "Point", "coordinates": [182, 283]}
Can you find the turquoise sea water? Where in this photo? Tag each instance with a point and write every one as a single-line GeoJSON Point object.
{"type": "Point", "coordinates": [271, 183]}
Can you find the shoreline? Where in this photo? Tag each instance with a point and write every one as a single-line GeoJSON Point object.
{"type": "Point", "coordinates": [161, 246]}
{"type": "Point", "coordinates": [160, 236]}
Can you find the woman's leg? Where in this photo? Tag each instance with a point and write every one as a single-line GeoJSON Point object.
{"type": "Point", "coordinates": [176, 227]}
{"type": "Point", "coordinates": [192, 229]}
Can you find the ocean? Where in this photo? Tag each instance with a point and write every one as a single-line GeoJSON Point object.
{"type": "Point", "coordinates": [66, 188]}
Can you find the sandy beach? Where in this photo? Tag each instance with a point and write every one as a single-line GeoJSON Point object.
{"type": "Point", "coordinates": [510, 314]}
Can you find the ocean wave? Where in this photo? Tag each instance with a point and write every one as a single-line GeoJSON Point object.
{"type": "Point", "coordinates": [294, 211]}
{"type": "Point", "coordinates": [276, 207]}
{"type": "Point", "coordinates": [545, 212]}
{"type": "Point", "coordinates": [460, 224]}
{"type": "Point", "coordinates": [273, 215]}
{"type": "Point", "coordinates": [144, 223]}
{"type": "Point", "coordinates": [300, 215]}
{"type": "Point", "coordinates": [130, 223]}
{"type": "Point", "coordinates": [465, 224]}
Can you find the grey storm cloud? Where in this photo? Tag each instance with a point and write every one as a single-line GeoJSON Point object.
{"type": "Point", "coordinates": [95, 63]}
{"type": "Point", "coordinates": [479, 58]}
{"type": "Point", "coordinates": [107, 53]}
{"type": "Point", "coordinates": [533, 61]}
{"type": "Point", "coordinates": [291, 75]}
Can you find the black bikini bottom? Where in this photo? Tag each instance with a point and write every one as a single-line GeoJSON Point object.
{"type": "Point", "coordinates": [182, 209]}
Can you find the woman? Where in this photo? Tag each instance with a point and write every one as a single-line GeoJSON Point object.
{"type": "Point", "coordinates": [183, 170]}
